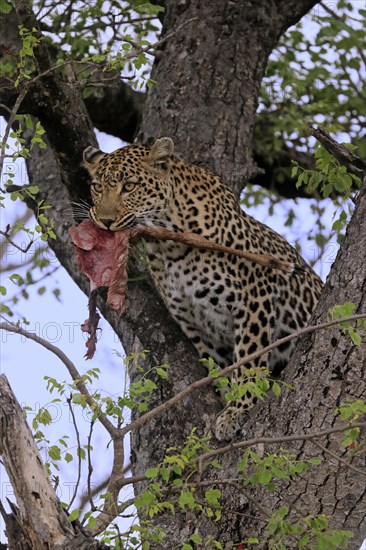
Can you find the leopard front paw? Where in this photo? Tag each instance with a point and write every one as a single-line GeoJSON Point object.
{"type": "Point", "coordinates": [228, 424]}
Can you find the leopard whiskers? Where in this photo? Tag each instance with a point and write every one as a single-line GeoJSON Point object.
{"type": "Point", "coordinates": [80, 209]}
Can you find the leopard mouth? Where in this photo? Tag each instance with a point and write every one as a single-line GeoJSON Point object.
{"type": "Point", "coordinates": [112, 224]}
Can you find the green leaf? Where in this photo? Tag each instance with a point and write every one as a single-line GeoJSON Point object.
{"type": "Point", "coordinates": [265, 477]}
{"type": "Point", "coordinates": [2, 290]}
{"type": "Point", "coordinates": [162, 373]}
{"type": "Point", "coordinates": [81, 453]}
{"type": "Point", "coordinates": [304, 541]}
{"type": "Point", "coordinates": [355, 336]}
{"type": "Point", "coordinates": [282, 512]}
{"type": "Point", "coordinates": [17, 279]}
{"type": "Point", "coordinates": [345, 310]}
{"type": "Point", "coordinates": [152, 473]}
{"type": "Point", "coordinates": [68, 457]}
{"type": "Point", "coordinates": [54, 452]}
{"type": "Point", "coordinates": [33, 189]}
{"type": "Point", "coordinates": [5, 6]}
{"type": "Point", "coordinates": [212, 496]}
{"type": "Point", "coordinates": [315, 461]}
{"type": "Point", "coordinates": [78, 399]}
{"type": "Point", "coordinates": [42, 219]}
{"type": "Point", "coordinates": [177, 482]}
{"type": "Point", "coordinates": [186, 499]}
{"type": "Point", "coordinates": [73, 515]}
{"type": "Point", "coordinates": [195, 538]}
{"type": "Point", "coordinates": [91, 522]}
{"type": "Point", "coordinates": [276, 388]}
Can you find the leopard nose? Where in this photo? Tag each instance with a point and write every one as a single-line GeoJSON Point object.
{"type": "Point", "coordinates": [107, 223]}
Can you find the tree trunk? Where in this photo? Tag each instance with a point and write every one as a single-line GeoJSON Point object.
{"type": "Point", "coordinates": [325, 370]}
{"type": "Point", "coordinates": [40, 523]}
{"type": "Point", "coordinates": [208, 78]}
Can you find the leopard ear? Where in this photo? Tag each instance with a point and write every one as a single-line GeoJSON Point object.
{"type": "Point", "coordinates": [161, 152]}
{"type": "Point", "coordinates": [91, 156]}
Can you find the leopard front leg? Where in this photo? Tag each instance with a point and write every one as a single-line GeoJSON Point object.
{"type": "Point", "coordinates": [251, 335]}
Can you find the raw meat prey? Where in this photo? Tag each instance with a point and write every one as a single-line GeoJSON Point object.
{"type": "Point", "coordinates": [103, 257]}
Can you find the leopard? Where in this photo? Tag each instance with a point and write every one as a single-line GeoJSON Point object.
{"type": "Point", "coordinates": [228, 307]}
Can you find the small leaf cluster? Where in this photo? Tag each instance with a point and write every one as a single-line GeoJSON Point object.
{"type": "Point", "coordinates": [176, 474]}
{"type": "Point", "coordinates": [256, 382]}
{"type": "Point", "coordinates": [355, 331]}
{"type": "Point", "coordinates": [309, 533]}
{"type": "Point", "coordinates": [26, 61]}
{"type": "Point", "coordinates": [141, 536]}
{"type": "Point", "coordinates": [19, 149]}
{"type": "Point", "coordinates": [264, 470]}
{"type": "Point", "coordinates": [329, 175]}
{"type": "Point", "coordinates": [140, 392]}
{"type": "Point", "coordinates": [57, 451]}
{"type": "Point", "coordinates": [353, 411]}
{"type": "Point", "coordinates": [330, 178]}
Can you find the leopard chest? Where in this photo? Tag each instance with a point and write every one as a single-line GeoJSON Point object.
{"type": "Point", "coordinates": [194, 286]}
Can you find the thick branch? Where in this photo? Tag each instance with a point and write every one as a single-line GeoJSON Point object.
{"type": "Point", "coordinates": [276, 172]}
{"type": "Point", "coordinates": [41, 518]}
{"type": "Point", "coordinates": [324, 372]}
{"type": "Point", "coordinates": [116, 110]}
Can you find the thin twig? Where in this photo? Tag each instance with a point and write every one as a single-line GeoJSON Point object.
{"type": "Point", "coordinates": [264, 511]}
{"type": "Point", "coordinates": [279, 439]}
{"type": "Point", "coordinates": [14, 111]}
{"type": "Point", "coordinates": [90, 465]}
{"type": "Point", "coordinates": [10, 241]}
{"type": "Point", "coordinates": [76, 377]}
{"type": "Point", "coordinates": [340, 459]}
{"type": "Point", "coordinates": [69, 402]}
{"type": "Point", "coordinates": [106, 517]}
{"type": "Point", "coordinates": [102, 485]}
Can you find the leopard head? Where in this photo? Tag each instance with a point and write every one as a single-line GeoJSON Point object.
{"type": "Point", "coordinates": [131, 185]}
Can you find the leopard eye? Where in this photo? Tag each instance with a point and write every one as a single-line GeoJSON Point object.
{"type": "Point", "coordinates": [128, 186]}
{"type": "Point", "coordinates": [97, 186]}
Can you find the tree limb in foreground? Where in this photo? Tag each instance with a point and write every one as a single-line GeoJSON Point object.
{"type": "Point", "coordinates": [38, 504]}
{"type": "Point", "coordinates": [10, 447]}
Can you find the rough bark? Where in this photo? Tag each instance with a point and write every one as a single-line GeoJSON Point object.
{"type": "Point", "coordinates": [325, 371]}
{"type": "Point", "coordinates": [215, 62]}
{"type": "Point", "coordinates": [39, 522]}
